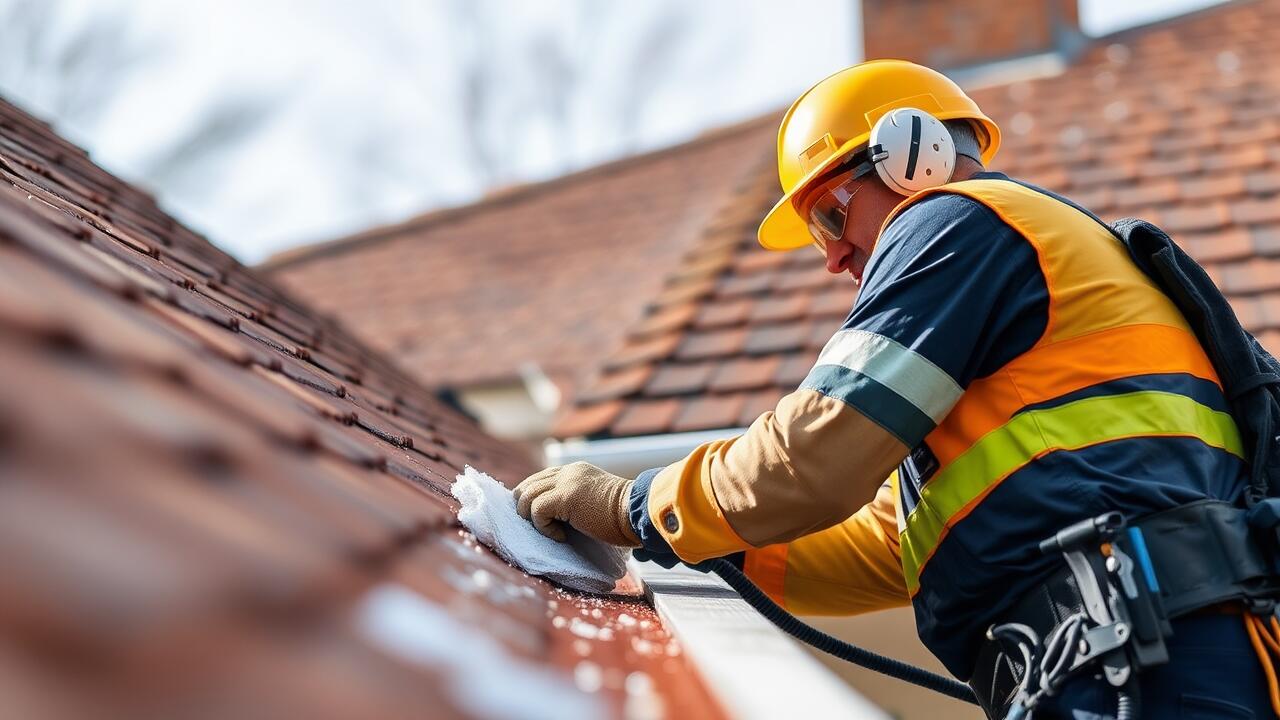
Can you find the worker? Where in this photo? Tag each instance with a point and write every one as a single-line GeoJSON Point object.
{"type": "Point", "coordinates": [1012, 373]}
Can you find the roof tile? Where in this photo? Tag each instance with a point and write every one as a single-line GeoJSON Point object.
{"type": "Point", "coordinates": [1266, 240]}
{"type": "Point", "coordinates": [1263, 182]}
{"type": "Point", "coordinates": [277, 469]}
{"type": "Point", "coordinates": [1256, 212]}
{"type": "Point", "coordinates": [1156, 192]}
{"type": "Point", "coordinates": [757, 403]}
{"type": "Point", "coordinates": [1258, 275]}
{"type": "Point", "coordinates": [1234, 243]}
{"type": "Point", "coordinates": [588, 419]}
{"type": "Point", "coordinates": [1246, 157]}
{"type": "Point", "coordinates": [617, 384]}
{"type": "Point", "coordinates": [745, 374]}
{"type": "Point", "coordinates": [666, 320]}
{"type": "Point", "coordinates": [646, 417]}
{"type": "Point", "coordinates": [593, 249]}
{"type": "Point", "coordinates": [776, 338]}
{"type": "Point", "coordinates": [709, 412]}
{"type": "Point", "coordinates": [835, 300]}
{"type": "Point", "coordinates": [779, 309]}
{"type": "Point", "coordinates": [647, 350]}
{"type": "Point", "coordinates": [1212, 187]}
{"type": "Point", "coordinates": [794, 369]}
{"type": "Point", "coordinates": [734, 285]}
{"type": "Point", "coordinates": [1204, 216]}
{"type": "Point", "coordinates": [723, 312]}
{"type": "Point", "coordinates": [679, 379]}
{"type": "Point", "coordinates": [714, 343]}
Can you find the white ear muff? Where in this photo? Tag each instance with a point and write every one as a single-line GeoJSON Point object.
{"type": "Point", "coordinates": [912, 150]}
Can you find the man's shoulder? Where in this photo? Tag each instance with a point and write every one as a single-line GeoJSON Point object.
{"type": "Point", "coordinates": [947, 225]}
{"type": "Point", "coordinates": [942, 203]}
{"type": "Point", "coordinates": [944, 216]}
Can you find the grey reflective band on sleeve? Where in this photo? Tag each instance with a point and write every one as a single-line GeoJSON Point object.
{"type": "Point", "coordinates": [907, 373]}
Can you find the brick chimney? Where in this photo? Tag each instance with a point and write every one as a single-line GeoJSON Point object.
{"type": "Point", "coordinates": [963, 34]}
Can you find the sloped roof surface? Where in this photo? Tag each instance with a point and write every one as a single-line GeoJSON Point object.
{"type": "Point", "coordinates": [216, 505]}
{"type": "Point", "coordinates": [1177, 123]}
{"type": "Point", "coordinates": [551, 273]}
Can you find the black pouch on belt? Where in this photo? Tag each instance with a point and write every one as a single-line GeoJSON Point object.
{"type": "Point", "coordinates": [999, 666]}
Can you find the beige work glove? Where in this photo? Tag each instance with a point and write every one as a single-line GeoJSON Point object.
{"type": "Point", "coordinates": [580, 495]}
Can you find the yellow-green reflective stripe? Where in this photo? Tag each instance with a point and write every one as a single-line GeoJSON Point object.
{"type": "Point", "coordinates": [1033, 433]}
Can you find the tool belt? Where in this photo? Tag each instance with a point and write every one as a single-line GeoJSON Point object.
{"type": "Point", "coordinates": [1160, 568]}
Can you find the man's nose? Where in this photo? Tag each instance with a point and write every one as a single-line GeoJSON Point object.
{"type": "Point", "coordinates": [838, 255]}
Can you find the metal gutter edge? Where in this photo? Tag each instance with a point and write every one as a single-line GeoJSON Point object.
{"type": "Point", "coordinates": [632, 455]}
{"type": "Point", "coordinates": [754, 670]}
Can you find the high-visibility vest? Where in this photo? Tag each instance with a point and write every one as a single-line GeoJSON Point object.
{"type": "Point", "coordinates": [1098, 374]}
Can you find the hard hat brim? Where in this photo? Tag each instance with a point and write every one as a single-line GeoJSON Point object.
{"type": "Point", "coordinates": [783, 228]}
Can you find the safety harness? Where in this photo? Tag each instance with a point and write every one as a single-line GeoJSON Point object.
{"type": "Point", "coordinates": [1108, 611]}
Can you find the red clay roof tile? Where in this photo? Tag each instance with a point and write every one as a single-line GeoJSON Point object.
{"type": "Point", "coordinates": [709, 412]}
{"type": "Point", "coordinates": [587, 419]}
{"type": "Point", "coordinates": [570, 263]}
{"type": "Point", "coordinates": [208, 486]}
{"type": "Point", "coordinates": [646, 417]}
{"type": "Point", "coordinates": [617, 384]}
{"type": "Point", "coordinates": [779, 309]}
{"type": "Point", "coordinates": [679, 379]}
{"type": "Point", "coordinates": [647, 350]}
{"type": "Point", "coordinates": [757, 403]}
{"type": "Point", "coordinates": [745, 373]}
{"type": "Point", "coordinates": [776, 338]}
{"type": "Point", "coordinates": [723, 312]}
{"type": "Point", "coordinates": [713, 343]}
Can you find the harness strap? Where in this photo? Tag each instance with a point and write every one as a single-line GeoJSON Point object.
{"type": "Point", "coordinates": [1251, 383]}
{"type": "Point", "coordinates": [1204, 553]}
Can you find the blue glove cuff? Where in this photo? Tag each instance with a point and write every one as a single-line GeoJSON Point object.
{"type": "Point", "coordinates": [651, 541]}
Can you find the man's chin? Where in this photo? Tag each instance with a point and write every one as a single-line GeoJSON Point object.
{"type": "Point", "coordinates": [858, 265]}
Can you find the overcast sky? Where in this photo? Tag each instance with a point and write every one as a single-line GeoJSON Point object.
{"type": "Point", "coordinates": [355, 105]}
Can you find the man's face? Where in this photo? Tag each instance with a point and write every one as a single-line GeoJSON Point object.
{"type": "Point", "coordinates": [852, 250]}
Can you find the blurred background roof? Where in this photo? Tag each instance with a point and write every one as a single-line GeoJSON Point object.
{"type": "Point", "coordinates": [268, 123]}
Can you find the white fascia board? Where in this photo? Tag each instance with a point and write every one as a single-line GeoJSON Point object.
{"type": "Point", "coordinates": [632, 455]}
{"type": "Point", "coordinates": [753, 669]}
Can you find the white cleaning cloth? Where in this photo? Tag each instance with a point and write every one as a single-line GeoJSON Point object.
{"type": "Point", "coordinates": [489, 511]}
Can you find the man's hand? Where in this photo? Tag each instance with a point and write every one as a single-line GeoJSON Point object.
{"type": "Point", "coordinates": [580, 495]}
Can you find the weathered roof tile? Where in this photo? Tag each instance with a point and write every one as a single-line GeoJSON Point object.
{"type": "Point", "coordinates": [207, 486]}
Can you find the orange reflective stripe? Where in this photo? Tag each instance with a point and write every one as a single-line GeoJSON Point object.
{"type": "Point", "coordinates": [767, 568]}
{"type": "Point", "coordinates": [1052, 371]}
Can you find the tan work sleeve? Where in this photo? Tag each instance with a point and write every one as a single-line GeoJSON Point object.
{"type": "Point", "coordinates": [850, 568]}
{"type": "Point", "coordinates": [806, 466]}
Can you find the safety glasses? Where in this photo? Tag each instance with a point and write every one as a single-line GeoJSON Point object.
{"type": "Point", "coordinates": [829, 212]}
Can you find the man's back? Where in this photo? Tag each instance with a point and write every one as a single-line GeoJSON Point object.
{"type": "Point", "coordinates": [1084, 391]}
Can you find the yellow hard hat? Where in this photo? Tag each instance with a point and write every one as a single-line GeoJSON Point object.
{"type": "Point", "coordinates": [835, 117]}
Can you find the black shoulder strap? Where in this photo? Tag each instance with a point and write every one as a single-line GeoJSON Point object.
{"type": "Point", "coordinates": [1250, 375]}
